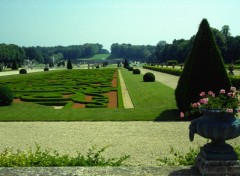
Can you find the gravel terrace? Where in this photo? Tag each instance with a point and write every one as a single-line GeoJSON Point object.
{"type": "Point", "coordinates": [144, 141]}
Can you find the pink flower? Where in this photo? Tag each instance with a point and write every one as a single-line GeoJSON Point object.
{"type": "Point", "coordinates": [202, 94]}
{"type": "Point", "coordinates": [210, 93]}
{"type": "Point", "coordinates": [194, 105]}
{"type": "Point", "coordinates": [229, 94]}
{"type": "Point", "coordinates": [233, 89]}
{"type": "Point", "coordinates": [222, 91]}
{"type": "Point", "coordinates": [229, 110]}
{"type": "Point", "coordinates": [204, 101]}
{"type": "Point", "coordinates": [181, 115]}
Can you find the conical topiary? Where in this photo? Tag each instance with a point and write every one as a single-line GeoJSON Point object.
{"type": "Point", "coordinates": [69, 64]}
{"type": "Point", "coordinates": [126, 64]}
{"type": "Point", "coordinates": [204, 69]}
{"type": "Point", "coordinates": [14, 65]}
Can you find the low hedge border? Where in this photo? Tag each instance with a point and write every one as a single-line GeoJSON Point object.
{"type": "Point", "coordinates": [172, 71]}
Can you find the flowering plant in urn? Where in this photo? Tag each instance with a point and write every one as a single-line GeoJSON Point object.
{"type": "Point", "coordinates": [224, 101]}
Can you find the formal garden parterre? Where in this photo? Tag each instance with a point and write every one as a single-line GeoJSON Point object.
{"type": "Point", "coordinates": [68, 88]}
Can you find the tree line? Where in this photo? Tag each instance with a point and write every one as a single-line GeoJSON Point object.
{"type": "Point", "coordinates": [178, 50]}
{"type": "Point", "coordinates": [9, 53]}
{"type": "Point", "coordinates": [228, 45]}
{"type": "Point", "coordinates": [131, 52]}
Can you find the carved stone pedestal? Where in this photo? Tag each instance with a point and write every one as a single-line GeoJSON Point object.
{"type": "Point", "coordinates": [217, 167]}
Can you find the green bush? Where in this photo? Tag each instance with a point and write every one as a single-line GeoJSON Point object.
{"type": "Point", "coordinates": [130, 68]}
{"type": "Point", "coordinates": [46, 69]}
{"type": "Point", "coordinates": [22, 71]}
{"type": "Point", "coordinates": [69, 64]}
{"type": "Point", "coordinates": [49, 158]}
{"type": "Point", "coordinates": [136, 71]}
{"type": "Point", "coordinates": [148, 77]}
{"type": "Point", "coordinates": [179, 159]}
{"type": "Point", "coordinates": [14, 65]}
{"type": "Point", "coordinates": [203, 71]}
{"type": "Point", "coordinates": [126, 64]}
{"type": "Point", "coordinates": [172, 62]}
{"type": "Point", "coordinates": [6, 96]}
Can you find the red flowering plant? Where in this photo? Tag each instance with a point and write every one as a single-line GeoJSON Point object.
{"type": "Point", "coordinates": [225, 102]}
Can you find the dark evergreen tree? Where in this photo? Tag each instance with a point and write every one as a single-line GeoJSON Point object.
{"type": "Point", "coordinates": [203, 71]}
{"type": "Point", "coordinates": [14, 65]}
{"type": "Point", "coordinates": [126, 64]}
{"type": "Point", "coordinates": [69, 64]}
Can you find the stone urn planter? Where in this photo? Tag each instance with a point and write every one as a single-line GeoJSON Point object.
{"type": "Point", "coordinates": [216, 157]}
{"type": "Point", "coordinates": [217, 126]}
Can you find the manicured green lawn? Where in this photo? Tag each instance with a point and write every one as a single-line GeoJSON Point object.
{"type": "Point", "coordinates": [97, 57]}
{"type": "Point", "coordinates": [152, 101]}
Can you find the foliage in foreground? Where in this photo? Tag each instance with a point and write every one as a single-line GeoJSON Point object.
{"type": "Point", "coordinates": [176, 158]}
{"type": "Point", "coordinates": [49, 158]}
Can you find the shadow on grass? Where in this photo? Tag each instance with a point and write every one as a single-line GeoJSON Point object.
{"type": "Point", "coordinates": [169, 115]}
{"type": "Point", "coordinates": [173, 115]}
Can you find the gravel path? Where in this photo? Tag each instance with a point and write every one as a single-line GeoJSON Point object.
{"type": "Point", "coordinates": [144, 141]}
{"type": "Point", "coordinates": [167, 79]}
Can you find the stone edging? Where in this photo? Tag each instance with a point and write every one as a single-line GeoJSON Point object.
{"type": "Point", "coordinates": [99, 171]}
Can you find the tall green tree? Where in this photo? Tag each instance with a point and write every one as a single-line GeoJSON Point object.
{"type": "Point", "coordinates": [14, 65]}
{"type": "Point", "coordinates": [69, 64]}
{"type": "Point", "coordinates": [204, 69]}
{"type": "Point", "coordinates": [225, 30]}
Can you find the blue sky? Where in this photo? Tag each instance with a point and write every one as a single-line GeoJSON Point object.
{"type": "Point", "coordinates": [140, 22]}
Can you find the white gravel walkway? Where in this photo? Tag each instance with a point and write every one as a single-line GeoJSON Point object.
{"type": "Point", "coordinates": [144, 141]}
{"type": "Point", "coordinates": [167, 79]}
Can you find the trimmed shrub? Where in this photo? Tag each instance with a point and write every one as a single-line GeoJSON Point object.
{"type": "Point", "coordinates": [69, 64]}
{"type": "Point", "coordinates": [172, 62]}
{"type": "Point", "coordinates": [126, 64]}
{"type": "Point", "coordinates": [22, 71]}
{"type": "Point", "coordinates": [6, 96]}
{"type": "Point", "coordinates": [130, 69]}
{"type": "Point", "coordinates": [204, 69]}
{"type": "Point", "coordinates": [46, 69]}
{"type": "Point", "coordinates": [136, 71]}
{"type": "Point", "coordinates": [231, 68]}
{"type": "Point", "coordinates": [14, 65]}
{"type": "Point", "coordinates": [148, 77]}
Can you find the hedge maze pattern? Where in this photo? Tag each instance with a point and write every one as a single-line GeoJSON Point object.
{"type": "Point", "coordinates": [65, 88]}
